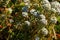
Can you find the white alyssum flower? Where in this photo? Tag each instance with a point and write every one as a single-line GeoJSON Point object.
{"type": "Point", "coordinates": [26, 0]}
{"type": "Point", "coordinates": [11, 20]}
{"type": "Point", "coordinates": [58, 11]}
{"type": "Point", "coordinates": [54, 10]}
{"type": "Point", "coordinates": [28, 23]}
{"type": "Point", "coordinates": [42, 16]}
{"type": "Point", "coordinates": [45, 1]}
{"type": "Point", "coordinates": [44, 31]}
{"type": "Point", "coordinates": [24, 14]}
{"type": "Point", "coordinates": [32, 11]}
{"type": "Point", "coordinates": [37, 38]}
{"type": "Point", "coordinates": [53, 19]}
{"type": "Point", "coordinates": [10, 10]}
{"type": "Point", "coordinates": [56, 6]}
{"type": "Point", "coordinates": [27, 4]}
{"type": "Point", "coordinates": [46, 4]}
{"type": "Point", "coordinates": [43, 21]}
{"type": "Point", "coordinates": [35, 13]}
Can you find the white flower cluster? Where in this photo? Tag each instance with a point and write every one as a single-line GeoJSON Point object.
{"type": "Point", "coordinates": [53, 6]}
{"type": "Point", "coordinates": [24, 14]}
{"type": "Point", "coordinates": [43, 19]}
{"type": "Point", "coordinates": [42, 16]}
{"type": "Point", "coordinates": [46, 4]}
{"type": "Point", "coordinates": [34, 12]}
{"type": "Point", "coordinates": [44, 31]}
{"type": "Point", "coordinates": [53, 19]}
{"type": "Point", "coordinates": [27, 3]}
{"type": "Point", "coordinates": [28, 23]}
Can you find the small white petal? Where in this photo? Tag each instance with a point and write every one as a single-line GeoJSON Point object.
{"type": "Point", "coordinates": [26, 3]}
{"type": "Point", "coordinates": [32, 10]}
{"type": "Point", "coordinates": [27, 22]}
{"type": "Point", "coordinates": [46, 4]}
{"type": "Point", "coordinates": [42, 16]}
{"type": "Point", "coordinates": [24, 14]}
{"type": "Point", "coordinates": [35, 14]}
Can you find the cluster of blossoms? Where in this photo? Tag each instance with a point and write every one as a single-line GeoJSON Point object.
{"type": "Point", "coordinates": [27, 3]}
{"type": "Point", "coordinates": [43, 20]}
{"type": "Point", "coordinates": [53, 6]}
{"type": "Point", "coordinates": [46, 4]}
{"type": "Point", "coordinates": [27, 16]}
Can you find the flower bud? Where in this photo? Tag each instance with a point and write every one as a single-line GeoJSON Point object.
{"type": "Point", "coordinates": [42, 16]}
{"type": "Point", "coordinates": [32, 11]}
{"type": "Point", "coordinates": [27, 22]}
{"type": "Point", "coordinates": [36, 14]}
{"type": "Point", "coordinates": [53, 10]}
{"type": "Point", "coordinates": [43, 21]}
{"type": "Point", "coordinates": [24, 14]}
{"type": "Point", "coordinates": [53, 19]}
{"type": "Point", "coordinates": [25, 9]}
{"type": "Point", "coordinates": [44, 31]}
{"type": "Point", "coordinates": [55, 4]}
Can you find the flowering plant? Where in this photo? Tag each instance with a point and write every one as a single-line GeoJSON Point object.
{"type": "Point", "coordinates": [29, 19]}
